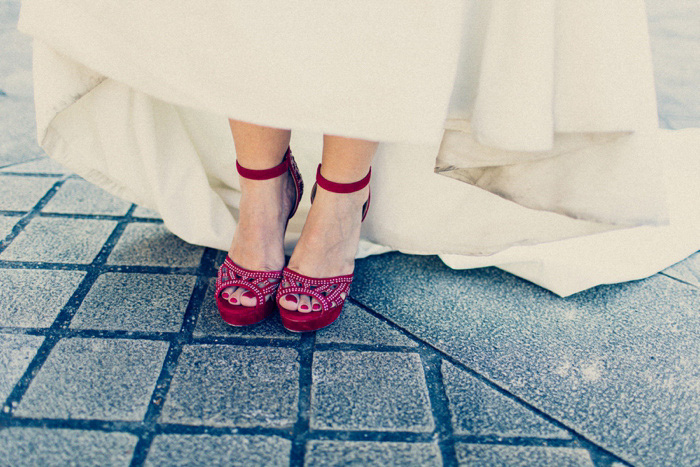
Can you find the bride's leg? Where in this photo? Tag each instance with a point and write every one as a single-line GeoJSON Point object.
{"type": "Point", "coordinates": [265, 204]}
{"type": "Point", "coordinates": [329, 240]}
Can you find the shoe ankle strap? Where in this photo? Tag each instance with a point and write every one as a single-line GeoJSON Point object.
{"type": "Point", "coordinates": [336, 187]}
{"type": "Point", "coordinates": [266, 174]}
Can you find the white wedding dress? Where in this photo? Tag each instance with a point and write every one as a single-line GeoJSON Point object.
{"type": "Point", "coordinates": [517, 134]}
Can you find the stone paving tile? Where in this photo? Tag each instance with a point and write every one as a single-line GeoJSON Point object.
{"type": "Point", "coordinates": [674, 43]}
{"type": "Point", "coordinates": [366, 453]}
{"type": "Point", "coordinates": [382, 391]}
{"type": "Point", "coordinates": [356, 326]}
{"type": "Point", "coordinates": [16, 53]}
{"type": "Point", "coordinates": [22, 193]}
{"type": "Point", "coordinates": [43, 165]}
{"type": "Point", "coordinates": [104, 379]}
{"type": "Point", "coordinates": [140, 211]}
{"type": "Point", "coordinates": [493, 455]}
{"type": "Point", "coordinates": [16, 352]}
{"type": "Point", "coordinates": [6, 225]}
{"type": "Point", "coordinates": [687, 270]}
{"type": "Point", "coordinates": [40, 446]}
{"type": "Point", "coordinates": [223, 385]}
{"type": "Point", "coordinates": [18, 135]}
{"type": "Point", "coordinates": [594, 361]}
{"type": "Point", "coordinates": [81, 197]}
{"type": "Point", "coordinates": [478, 409]}
{"type": "Point", "coordinates": [135, 302]}
{"type": "Point", "coordinates": [59, 240]}
{"type": "Point", "coordinates": [32, 298]}
{"type": "Point", "coordinates": [210, 324]}
{"type": "Point", "coordinates": [225, 450]}
{"type": "Point", "coordinates": [148, 244]}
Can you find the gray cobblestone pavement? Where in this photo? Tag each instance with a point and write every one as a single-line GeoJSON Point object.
{"type": "Point", "coordinates": [112, 351]}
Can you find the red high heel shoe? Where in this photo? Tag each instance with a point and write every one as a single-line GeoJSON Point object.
{"type": "Point", "coordinates": [258, 282]}
{"type": "Point", "coordinates": [331, 292]}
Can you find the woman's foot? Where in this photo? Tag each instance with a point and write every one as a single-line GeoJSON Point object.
{"type": "Point", "coordinates": [328, 242]}
{"type": "Point", "coordinates": [258, 243]}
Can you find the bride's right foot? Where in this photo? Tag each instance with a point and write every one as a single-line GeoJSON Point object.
{"type": "Point", "coordinates": [258, 243]}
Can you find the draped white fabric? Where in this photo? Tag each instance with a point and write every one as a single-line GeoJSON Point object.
{"type": "Point", "coordinates": [548, 103]}
{"type": "Point", "coordinates": [554, 108]}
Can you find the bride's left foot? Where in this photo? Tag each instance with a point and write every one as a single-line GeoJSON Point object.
{"type": "Point", "coordinates": [268, 199]}
{"type": "Point", "coordinates": [258, 243]}
{"type": "Point", "coordinates": [328, 242]}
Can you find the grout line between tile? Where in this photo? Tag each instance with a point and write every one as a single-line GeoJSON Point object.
{"type": "Point", "coordinates": [12, 164]}
{"type": "Point", "coordinates": [155, 404]}
{"type": "Point", "coordinates": [31, 174]}
{"type": "Point", "coordinates": [77, 215]}
{"type": "Point", "coordinates": [138, 428]}
{"type": "Point", "coordinates": [678, 280]}
{"type": "Point", "coordinates": [46, 266]}
{"type": "Point", "coordinates": [439, 405]}
{"type": "Point", "coordinates": [302, 426]}
{"type": "Point", "coordinates": [343, 346]}
{"type": "Point", "coordinates": [105, 268]}
{"type": "Point", "coordinates": [65, 333]}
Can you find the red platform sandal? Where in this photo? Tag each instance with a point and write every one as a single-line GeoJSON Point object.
{"type": "Point", "coordinates": [260, 283]}
{"type": "Point", "coordinates": [329, 291]}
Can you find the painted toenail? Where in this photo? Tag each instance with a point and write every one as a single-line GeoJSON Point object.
{"type": "Point", "coordinates": [248, 294]}
{"type": "Point", "coordinates": [316, 306]}
{"type": "Point", "coordinates": [290, 298]}
{"type": "Point", "coordinates": [225, 295]}
{"type": "Point", "coordinates": [234, 300]}
{"type": "Point", "coordinates": [303, 307]}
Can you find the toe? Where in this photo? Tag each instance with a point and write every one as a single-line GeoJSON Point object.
{"type": "Point", "coordinates": [304, 304]}
{"type": "Point", "coordinates": [248, 298]}
{"type": "Point", "coordinates": [289, 302]}
{"type": "Point", "coordinates": [228, 292]}
{"type": "Point", "coordinates": [235, 298]}
{"type": "Point", "coordinates": [315, 304]}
